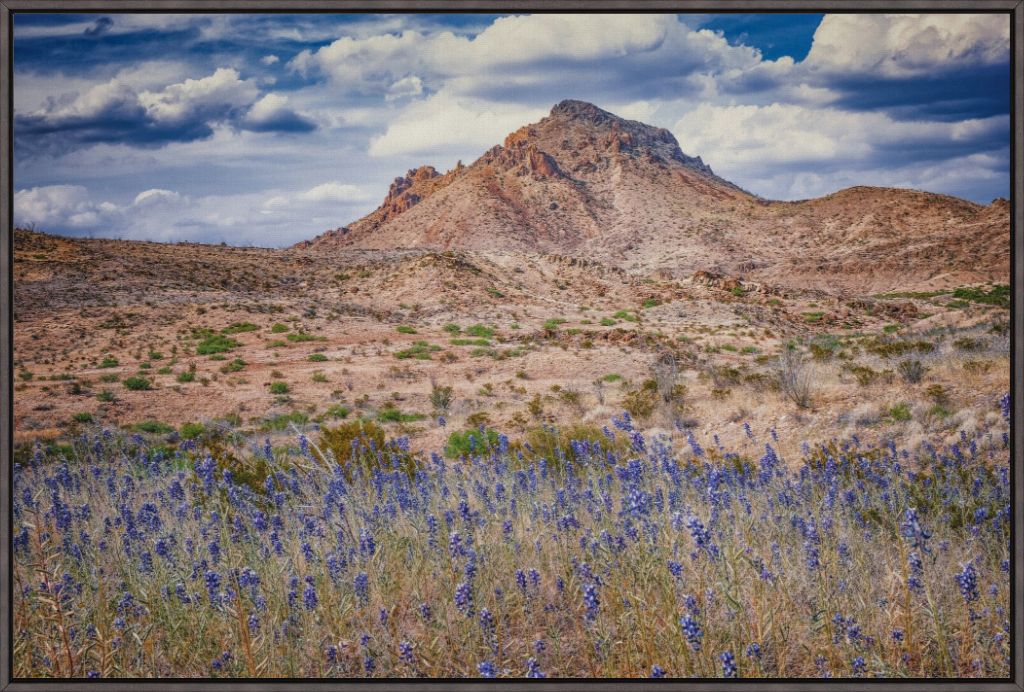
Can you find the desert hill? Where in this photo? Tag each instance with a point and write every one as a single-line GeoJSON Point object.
{"type": "Point", "coordinates": [584, 182]}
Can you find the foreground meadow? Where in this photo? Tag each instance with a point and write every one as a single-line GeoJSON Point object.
{"type": "Point", "coordinates": [611, 557]}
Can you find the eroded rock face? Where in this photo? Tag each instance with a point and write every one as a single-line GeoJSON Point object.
{"type": "Point", "coordinates": [585, 182]}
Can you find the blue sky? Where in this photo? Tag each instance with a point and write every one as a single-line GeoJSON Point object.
{"type": "Point", "coordinates": [268, 129]}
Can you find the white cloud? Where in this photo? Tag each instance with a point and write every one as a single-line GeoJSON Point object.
{"type": "Point", "coordinates": [446, 123]}
{"type": "Point", "coordinates": [407, 86]}
{"type": "Point", "coordinates": [221, 90]}
{"type": "Point", "coordinates": [270, 59]}
{"type": "Point", "coordinates": [335, 192]}
{"type": "Point", "coordinates": [788, 150]}
{"type": "Point", "coordinates": [908, 45]}
{"type": "Point", "coordinates": [271, 217]}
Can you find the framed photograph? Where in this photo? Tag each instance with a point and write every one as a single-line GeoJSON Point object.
{"type": "Point", "coordinates": [595, 344]}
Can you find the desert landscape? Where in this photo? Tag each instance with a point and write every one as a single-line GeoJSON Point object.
{"type": "Point", "coordinates": [637, 397]}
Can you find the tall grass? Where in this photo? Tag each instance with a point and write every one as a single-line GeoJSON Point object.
{"type": "Point", "coordinates": [856, 560]}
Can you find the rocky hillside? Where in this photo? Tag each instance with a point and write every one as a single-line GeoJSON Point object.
{"type": "Point", "coordinates": [584, 182]}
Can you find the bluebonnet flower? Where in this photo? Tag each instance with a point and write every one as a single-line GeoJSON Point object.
{"type": "Point", "coordinates": [361, 583]}
{"type": "Point", "coordinates": [367, 546]}
{"type": "Point", "coordinates": [1004, 406]}
{"type": "Point", "coordinates": [859, 666]}
{"type": "Point", "coordinates": [728, 664]}
{"type": "Point", "coordinates": [405, 653]}
{"type": "Point", "coordinates": [754, 651]}
{"type": "Point", "coordinates": [309, 595]}
{"type": "Point", "coordinates": [533, 669]}
{"type": "Point", "coordinates": [698, 451]}
{"type": "Point", "coordinates": [464, 598]}
{"type": "Point", "coordinates": [675, 568]}
{"type": "Point", "coordinates": [424, 610]}
{"type": "Point", "coordinates": [212, 584]}
{"type": "Point", "coordinates": [657, 671]}
{"type": "Point", "coordinates": [692, 631]}
{"type": "Point", "coordinates": [591, 600]}
{"type": "Point", "coordinates": [897, 635]}
{"type": "Point", "coordinates": [914, 582]}
{"type": "Point", "coordinates": [487, 669]}
{"type": "Point", "coordinates": [912, 529]}
{"type": "Point", "coordinates": [967, 580]}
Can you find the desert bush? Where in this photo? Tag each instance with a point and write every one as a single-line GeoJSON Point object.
{"type": "Point", "coordinates": [911, 370]}
{"type": "Point", "coordinates": [472, 441]}
{"type": "Point", "coordinates": [441, 397]}
{"type": "Point", "coordinates": [794, 377]}
{"type": "Point", "coordinates": [900, 412]}
{"type": "Point", "coordinates": [641, 401]}
{"type": "Point", "coordinates": [420, 350]}
{"type": "Point", "coordinates": [239, 328]}
{"type": "Point", "coordinates": [137, 384]}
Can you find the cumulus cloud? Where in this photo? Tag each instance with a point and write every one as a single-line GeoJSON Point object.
{"type": "Point", "coordinates": [118, 111]}
{"type": "Point", "coordinates": [908, 45]}
{"type": "Point", "coordinates": [270, 218]}
{"type": "Point", "coordinates": [445, 123]}
{"type": "Point", "coordinates": [272, 114]}
{"type": "Point", "coordinates": [772, 149]}
{"type": "Point", "coordinates": [910, 100]}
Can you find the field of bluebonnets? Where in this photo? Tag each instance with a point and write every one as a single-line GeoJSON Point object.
{"type": "Point", "coordinates": [622, 557]}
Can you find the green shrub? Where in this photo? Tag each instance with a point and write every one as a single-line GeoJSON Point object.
{"type": "Point", "coordinates": [420, 350]}
{"type": "Point", "coordinates": [137, 384]}
{"type": "Point", "coordinates": [279, 328]}
{"type": "Point", "coordinates": [473, 441]}
{"type": "Point", "coordinates": [187, 376]}
{"type": "Point", "coordinates": [83, 417]}
{"type": "Point", "coordinates": [351, 445]}
{"type": "Point", "coordinates": [338, 411]}
{"type": "Point", "coordinates": [480, 331]}
{"type": "Point", "coordinates": [317, 357]}
{"type": "Point", "coordinates": [233, 366]}
{"type": "Point", "coordinates": [900, 412]}
{"type": "Point", "coordinates": [282, 421]}
{"type": "Point", "coordinates": [393, 415]}
{"type": "Point", "coordinates": [968, 344]}
{"type": "Point", "coordinates": [239, 327]}
{"type": "Point", "coordinates": [191, 431]}
{"type": "Point", "coordinates": [626, 315]}
{"type": "Point", "coordinates": [651, 303]}
{"type": "Point", "coordinates": [105, 395]}
{"type": "Point", "coordinates": [998, 295]}
{"type": "Point", "coordinates": [452, 328]}
{"type": "Point", "coordinates": [215, 343]}
{"type": "Point", "coordinates": [109, 362]}
{"type": "Point", "coordinates": [612, 377]}
{"type": "Point", "coordinates": [641, 402]}
{"type": "Point", "coordinates": [405, 329]}
{"type": "Point", "coordinates": [470, 342]}
{"type": "Point", "coordinates": [302, 337]}
{"type": "Point", "coordinates": [607, 322]}
{"type": "Point", "coordinates": [552, 324]}
{"type": "Point", "coordinates": [153, 427]}
{"type": "Point", "coordinates": [278, 387]}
